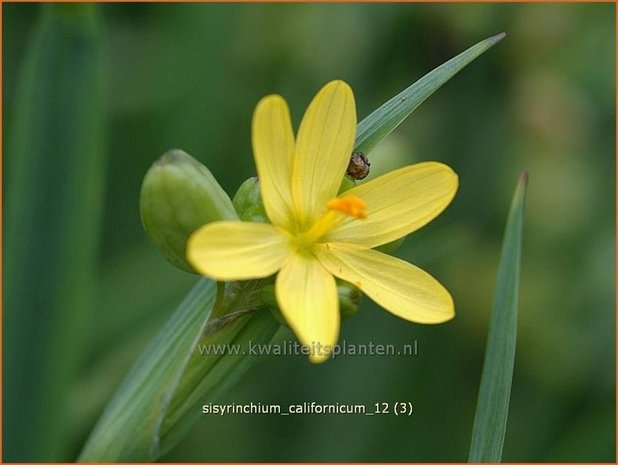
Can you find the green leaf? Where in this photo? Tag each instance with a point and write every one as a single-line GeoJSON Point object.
{"type": "Point", "coordinates": [379, 124]}
{"type": "Point", "coordinates": [495, 391]}
{"type": "Point", "coordinates": [159, 399]}
{"type": "Point", "coordinates": [55, 173]}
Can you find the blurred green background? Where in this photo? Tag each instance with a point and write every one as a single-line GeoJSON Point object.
{"type": "Point", "coordinates": [188, 76]}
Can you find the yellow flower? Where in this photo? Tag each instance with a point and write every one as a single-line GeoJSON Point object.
{"type": "Point", "coordinates": [316, 236]}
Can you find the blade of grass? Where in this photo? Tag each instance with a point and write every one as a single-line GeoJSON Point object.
{"type": "Point", "coordinates": [495, 391]}
{"type": "Point", "coordinates": [53, 201]}
{"type": "Point", "coordinates": [379, 124]}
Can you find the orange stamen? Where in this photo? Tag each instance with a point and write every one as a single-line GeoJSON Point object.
{"type": "Point", "coordinates": [350, 205]}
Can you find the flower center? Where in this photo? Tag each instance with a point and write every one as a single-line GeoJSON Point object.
{"type": "Point", "coordinates": [337, 209]}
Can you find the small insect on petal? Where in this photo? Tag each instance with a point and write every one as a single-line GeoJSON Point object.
{"type": "Point", "coordinates": [359, 165]}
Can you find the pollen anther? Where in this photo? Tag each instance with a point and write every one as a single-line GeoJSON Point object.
{"type": "Point", "coordinates": [351, 205]}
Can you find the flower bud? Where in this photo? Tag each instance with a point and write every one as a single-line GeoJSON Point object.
{"type": "Point", "coordinates": [179, 195]}
{"type": "Point", "coordinates": [349, 299]}
{"type": "Point", "coordinates": [248, 202]}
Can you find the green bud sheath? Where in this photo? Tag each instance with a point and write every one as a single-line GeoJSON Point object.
{"type": "Point", "coordinates": [179, 195]}
{"type": "Point", "coordinates": [349, 299]}
{"type": "Point", "coordinates": [248, 202]}
{"type": "Point", "coordinates": [347, 183]}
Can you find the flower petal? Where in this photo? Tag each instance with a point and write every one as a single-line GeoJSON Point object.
{"type": "Point", "coordinates": [398, 203]}
{"type": "Point", "coordinates": [396, 285]}
{"type": "Point", "coordinates": [231, 250]}
{"type": "Point", "coordinates": [323, 148]}
{"type": "Point", "coordinates": [273, 149]}
{"type": "Point", "coordinates": [308, 299]}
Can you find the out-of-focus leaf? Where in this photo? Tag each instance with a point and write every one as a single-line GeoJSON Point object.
{"type": "Point", "coordinates": [379, 124]}
{"type": "Point", "coordinates": [53, 204]}
{"type": "Point", "coordinates": [495, 391]}
{"type": "Point", "coordinates": [135, 289]}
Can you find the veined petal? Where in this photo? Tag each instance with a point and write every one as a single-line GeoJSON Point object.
{"type": "Point", "coordinates": [235, 250]}
{"type": "Point", "coordinates": [401, 288]}
{"type": "Point", "coordinates": [323, 148]}
{"type": "Point", "coordinates": [307, 296]}
{"type": "Point", "coordinates": [398, 203]}
{"type": "Point", "coordinates": [273, 149]}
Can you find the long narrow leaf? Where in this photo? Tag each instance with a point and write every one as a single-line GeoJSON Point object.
{"type": "Point", "coordinates": [495, 391]}
{"type": "Point", "coordinates": [384, 120]}
{"type": "Point", "coordinates": [55, 173]}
